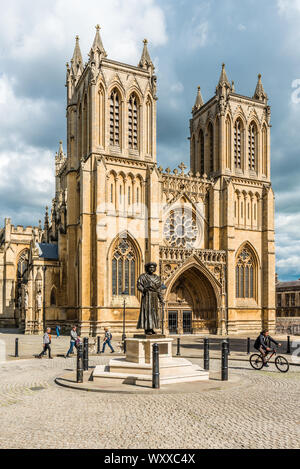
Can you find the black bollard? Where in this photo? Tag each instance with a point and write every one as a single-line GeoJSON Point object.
{"type": "Point", "coordinates": [228, 346]}
{"type": "Point", "coordinates": [17, 348]}
{"type": "Point", "coordinates": [224, 361]}
{"type": "Point", "coordinates": [288, 349]}
{"type": "Point", "coordinates": [206, 354]}
{"type": "Point", "coordinates": [178, 354]}
{"type": "Point", "coordinates": [98, 346]}
{"type": "Point", "coordinates": [85, 353]}
{"type": "Point", "coordinates": [248, 345]}
{"type": "Point", "coordinates": [79, 364]}
{"type": "Point", "coordinates": [155, 369]}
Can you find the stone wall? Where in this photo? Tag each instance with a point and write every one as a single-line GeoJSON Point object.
{"type": "Point", "coordinates": [288, 325]}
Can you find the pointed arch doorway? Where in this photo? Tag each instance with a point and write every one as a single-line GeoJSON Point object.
{"type": "Point", "coordinates": [191, 304]}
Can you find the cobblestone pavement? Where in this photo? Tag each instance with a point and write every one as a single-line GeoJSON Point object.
{"type": "Point", "coordinates": [262, 411]}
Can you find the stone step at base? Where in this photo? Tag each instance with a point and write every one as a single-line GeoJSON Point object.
{"type": "Point", "coordinates": [167, 367]}
{"type": "Point", "coordinates": [189, 374]}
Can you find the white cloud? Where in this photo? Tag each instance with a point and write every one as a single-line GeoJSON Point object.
{"type": "Point", "coordinates": [289, 13]}
{"type": "Point", "coordinates": [27, 171]}
{"type": "Point", "coordinates": [241, 27]}
{"type": "Point", "coordinates": [50, 27]}
{"type": "Point", "coordinates": [198, 36]}
{"type": "Point", "coordinates": [288, 7]}
{"type": "Point", "coordinates": [22, 118]}
{"type": "Point", "coordinates": [37, 38]}
{"type": "Point", "coordinates": [288, 244]}
{"type": "Point", "coordinates": [177, 87]}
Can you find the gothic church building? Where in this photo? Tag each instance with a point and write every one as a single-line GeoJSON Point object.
{"type": "Point", "coordinates": [210, 230]}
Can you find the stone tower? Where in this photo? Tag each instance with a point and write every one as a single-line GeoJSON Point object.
{"type": "Point", "coordinates": [230, 142]}
{"type": "Point", "coordinates": [111, 126]}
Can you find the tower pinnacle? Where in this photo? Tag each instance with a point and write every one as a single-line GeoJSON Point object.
{"type": "Point", "coordinates": [260, 93]}
{"type": "Point", "coordinates": [98, 44]}
{"type": "Point", "coordinates": [76, 61]}
{"type": "Point", "coordinates": [223, 78]}
{"type": "Point", "coordinates": [146, 61]}
{"type": "Point", "coordinates": [199, 100]}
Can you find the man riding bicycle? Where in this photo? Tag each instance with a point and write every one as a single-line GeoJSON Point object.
{"type": "Point", "coordinates": [263, 343]}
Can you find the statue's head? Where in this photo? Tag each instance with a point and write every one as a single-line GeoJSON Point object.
{"type": "Point", "coordinates": [151, 267]}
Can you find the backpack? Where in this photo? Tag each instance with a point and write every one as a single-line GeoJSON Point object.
{"type": "Point", "coordinates": [257, 343]}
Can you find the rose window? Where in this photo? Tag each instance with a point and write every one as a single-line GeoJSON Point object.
{"type": "Point", "coordinates": [181, 229]}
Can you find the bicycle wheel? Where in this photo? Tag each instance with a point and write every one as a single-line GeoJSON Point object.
{"type": "Point", "coordinates": [282, 364]}
{"type": "Point", "coordinates": [256, 361]}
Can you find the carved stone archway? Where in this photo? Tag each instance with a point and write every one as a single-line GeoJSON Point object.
{"type": "Point", "coordinates": [192, 304]}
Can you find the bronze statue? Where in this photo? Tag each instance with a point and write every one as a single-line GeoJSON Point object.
{"type": "Point", "coordinates": [150, 285]}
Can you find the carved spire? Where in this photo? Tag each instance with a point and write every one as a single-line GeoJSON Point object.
{"type": "Point", "coordinates": [45, 238]}
{"type": "Point", "coordinates": [224, 87]}
{"type": "Point", "coordinates": [46, 222]}
{"type": "Point", "coordinates": [146, 61]}
{"type": "Point", "coordinates": [233, 87]}
{"type": "Point", "coordinates": [199, 100]}
{"type": "Point", "coordinates": [61, 151]}
{"type": "Point", "coordinates": [60, 158]}
{"type": "Point", "coordinates": [98, 44]}
{"type": "Point", "coordinates": [223, 78]}
{"type": "Point", "coordinates": [260, 93]}
{"type": "Point", "coordinates": [76, 61]}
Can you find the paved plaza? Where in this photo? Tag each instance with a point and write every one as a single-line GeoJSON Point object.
{"type": "Point", "coordinates": [254, 410]}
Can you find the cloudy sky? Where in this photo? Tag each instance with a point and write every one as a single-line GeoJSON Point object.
{"type": "Point", "coordinates": [189, 40]}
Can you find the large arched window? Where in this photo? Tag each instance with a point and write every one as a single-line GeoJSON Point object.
{"type": "Point", "coordinates": [22, 265]}
{"type": "Point", "coordinates": [245, 275]}
{"type": "Point", "coordinates": [193, 150]}
{"type": "Point", "coordinates": [133, 122]}
{"type": "Point", "coordinates": [148, 126]}
{"type": "Point", "coordinates": [79, 131]}
{"type": "Point", "coordinates": [238, 144]}
{"type": "Point", "coordinates": [115, 111]}
{"type": "Point", "coordinates": [53, 297]}
{"type": "Point", "coordinates": [101, 106]}
{"type": "Point", "coordinates": [228, 143]}
{"type": "Point", "coordinates": [124, 267]}
{"type": "Point", "coordinates": [217, 145]}
{"type": "Point", "coordinates": [264, 150]}
{"type": "Point", "coordinates": [252, 146]}
{"type": "Point", "coordinates": [211, 147]}
{"type": "Point", "coordinates": [201, 145]}
{"type": "Point", "coordinates": [85, 127]}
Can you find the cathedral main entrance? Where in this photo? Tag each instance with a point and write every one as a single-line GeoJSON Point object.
{"type": "Point", "coordinates": [191, 305]}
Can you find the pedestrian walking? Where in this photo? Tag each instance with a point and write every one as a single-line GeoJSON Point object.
{"type": "Point", "coordinates": [57, 331]}
{"type": "Point", "coordinates": [107, 340]}
{"type": "Point", "coordinates": [46, 344]}
{"type": "Point", "coordinates": [74, 340]}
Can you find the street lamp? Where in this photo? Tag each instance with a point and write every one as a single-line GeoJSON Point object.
{"type": "Point", "coordinates": [44, 297]}
{"type": "Point", "coordinates": [124, 295]}
{"type": "Point", "coordinates": [163, 291]}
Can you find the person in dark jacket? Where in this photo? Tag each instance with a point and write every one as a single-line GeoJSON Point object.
{"type": "Point", "coordinates": [263, 344]}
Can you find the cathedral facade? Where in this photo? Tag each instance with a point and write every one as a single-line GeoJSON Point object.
{"type": "Point", "coordinates": [210, 230]}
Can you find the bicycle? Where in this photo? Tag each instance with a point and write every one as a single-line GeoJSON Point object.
{"type": "Point", "coordinates": [281, 363]}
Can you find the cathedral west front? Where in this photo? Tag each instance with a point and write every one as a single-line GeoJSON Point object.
{"type": "Point", "coordinates": [210, 229]}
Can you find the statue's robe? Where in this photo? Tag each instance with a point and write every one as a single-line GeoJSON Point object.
{"type": "Point", "coordinates": [150, 286]}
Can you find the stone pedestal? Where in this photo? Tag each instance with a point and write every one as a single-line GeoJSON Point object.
{"type": "Point", "coordinates": [136, 368]}
{"type": "Point", "coordinates": [140, 350]}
